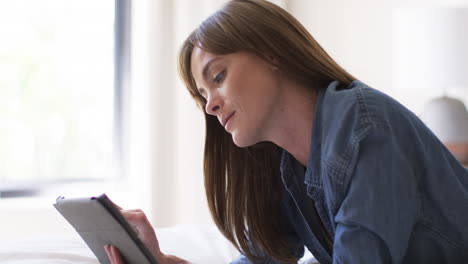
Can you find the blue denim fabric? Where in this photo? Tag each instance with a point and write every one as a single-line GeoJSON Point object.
{"type": "Point", "coordinates": [386, 188]}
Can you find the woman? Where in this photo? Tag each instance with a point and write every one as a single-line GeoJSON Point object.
{"type": "Point", "coordinates": [300, 153]}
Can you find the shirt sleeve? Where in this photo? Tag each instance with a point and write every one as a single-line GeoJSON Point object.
{"type": "Point", "coordinates": [381, 204]}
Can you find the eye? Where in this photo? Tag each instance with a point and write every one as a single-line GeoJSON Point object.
{"type": "Point", "coordinates": [219, 77]}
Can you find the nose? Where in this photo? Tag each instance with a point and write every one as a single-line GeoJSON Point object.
{"type": "Point", "coordinates": [213, 104]}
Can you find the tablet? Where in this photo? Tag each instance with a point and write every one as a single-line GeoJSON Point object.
{"type": "Point", "coordinates": [99, 222]}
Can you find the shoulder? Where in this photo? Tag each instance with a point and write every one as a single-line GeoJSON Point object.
{"type": "Point", "coordinates": [350, 120]}
{"type": "Point", "coordinates": [352, 113]}
{"type": "Point", "coordinates": [345, 117]}
{"type": "Point", "coordinates": [358, 108]}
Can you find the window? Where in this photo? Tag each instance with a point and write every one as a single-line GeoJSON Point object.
{"type": "Point", "coordinates": [63, 70]}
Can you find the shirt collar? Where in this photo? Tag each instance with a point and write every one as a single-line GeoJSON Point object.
{"type": "Point", "coordinates": [312, 176]}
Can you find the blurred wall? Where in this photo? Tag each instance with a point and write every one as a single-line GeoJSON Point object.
{"type": "Point", "coordinates": [358, 35]}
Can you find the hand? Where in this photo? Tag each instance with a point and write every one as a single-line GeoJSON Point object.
{"type": "Point", "coordinates": [139, 222]}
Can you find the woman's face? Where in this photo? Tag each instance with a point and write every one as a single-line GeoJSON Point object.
{"type": "Point", "coordinates": [241, 90]}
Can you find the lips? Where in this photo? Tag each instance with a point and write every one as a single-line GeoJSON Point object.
{"type": "Point", "coordinates": [225, 119]}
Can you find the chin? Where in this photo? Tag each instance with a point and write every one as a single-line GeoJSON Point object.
{"type": "Point", "coordinates": [243, 142]}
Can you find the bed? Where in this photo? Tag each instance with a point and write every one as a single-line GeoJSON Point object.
{"type": "Point", "coordinates": [198, 244]}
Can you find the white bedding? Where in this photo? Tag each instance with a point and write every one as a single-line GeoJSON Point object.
{"type": "Point", "coordinates": [198, 244]}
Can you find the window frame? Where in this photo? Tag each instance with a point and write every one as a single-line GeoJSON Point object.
{"type": "Point", "coordinates": [121, 83]}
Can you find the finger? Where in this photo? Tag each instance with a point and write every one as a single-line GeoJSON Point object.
{"type": "Point", "coordinates": [106, 248]}
{"type": "Point", "coordinates": [135, 215]}
{"type": "Point", "coordinates": [175, 259]}
{"type": "Point", "coordinates": [136, 218]}
{"type": "Point", "coordinates": [109, 254]}
{"type": "Point", "coordinates": [117, 255]}
{"type": "Point", "coordinates": [133, 218]}
{"type": "Point", "coordinates": [132, 211]}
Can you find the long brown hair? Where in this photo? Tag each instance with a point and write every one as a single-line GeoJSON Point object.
{"type": "Point", "coordinates": [243, 185]}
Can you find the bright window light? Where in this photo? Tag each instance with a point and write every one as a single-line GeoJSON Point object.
{"type": "Point", "coordinates": [57, 104]}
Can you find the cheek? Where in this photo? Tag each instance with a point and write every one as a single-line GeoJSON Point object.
{"type": "Point", "coordinates": [255, 89]}
{"type": "Point", "coordinates": [252, 93]}
{"type": "Point", "coordinates": [261, 97]}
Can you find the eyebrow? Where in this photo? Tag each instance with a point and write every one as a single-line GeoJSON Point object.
{"type": "Point", "coordinates": [206, 68]}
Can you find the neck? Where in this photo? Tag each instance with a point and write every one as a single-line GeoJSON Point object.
{"type": "Point", "coordinates": [292, 127]}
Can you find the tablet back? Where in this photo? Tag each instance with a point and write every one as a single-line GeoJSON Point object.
{"type": "Point", "coordinates": [99, 222]}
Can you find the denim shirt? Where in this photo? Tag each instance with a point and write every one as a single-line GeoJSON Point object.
{"type": "Point", "coordinates": [386, 189]}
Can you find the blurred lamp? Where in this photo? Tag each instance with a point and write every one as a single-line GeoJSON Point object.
{"type": "Point", "coordinates": [430, 52]}
{"type": "Point", "coordinates": [448, 119]}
